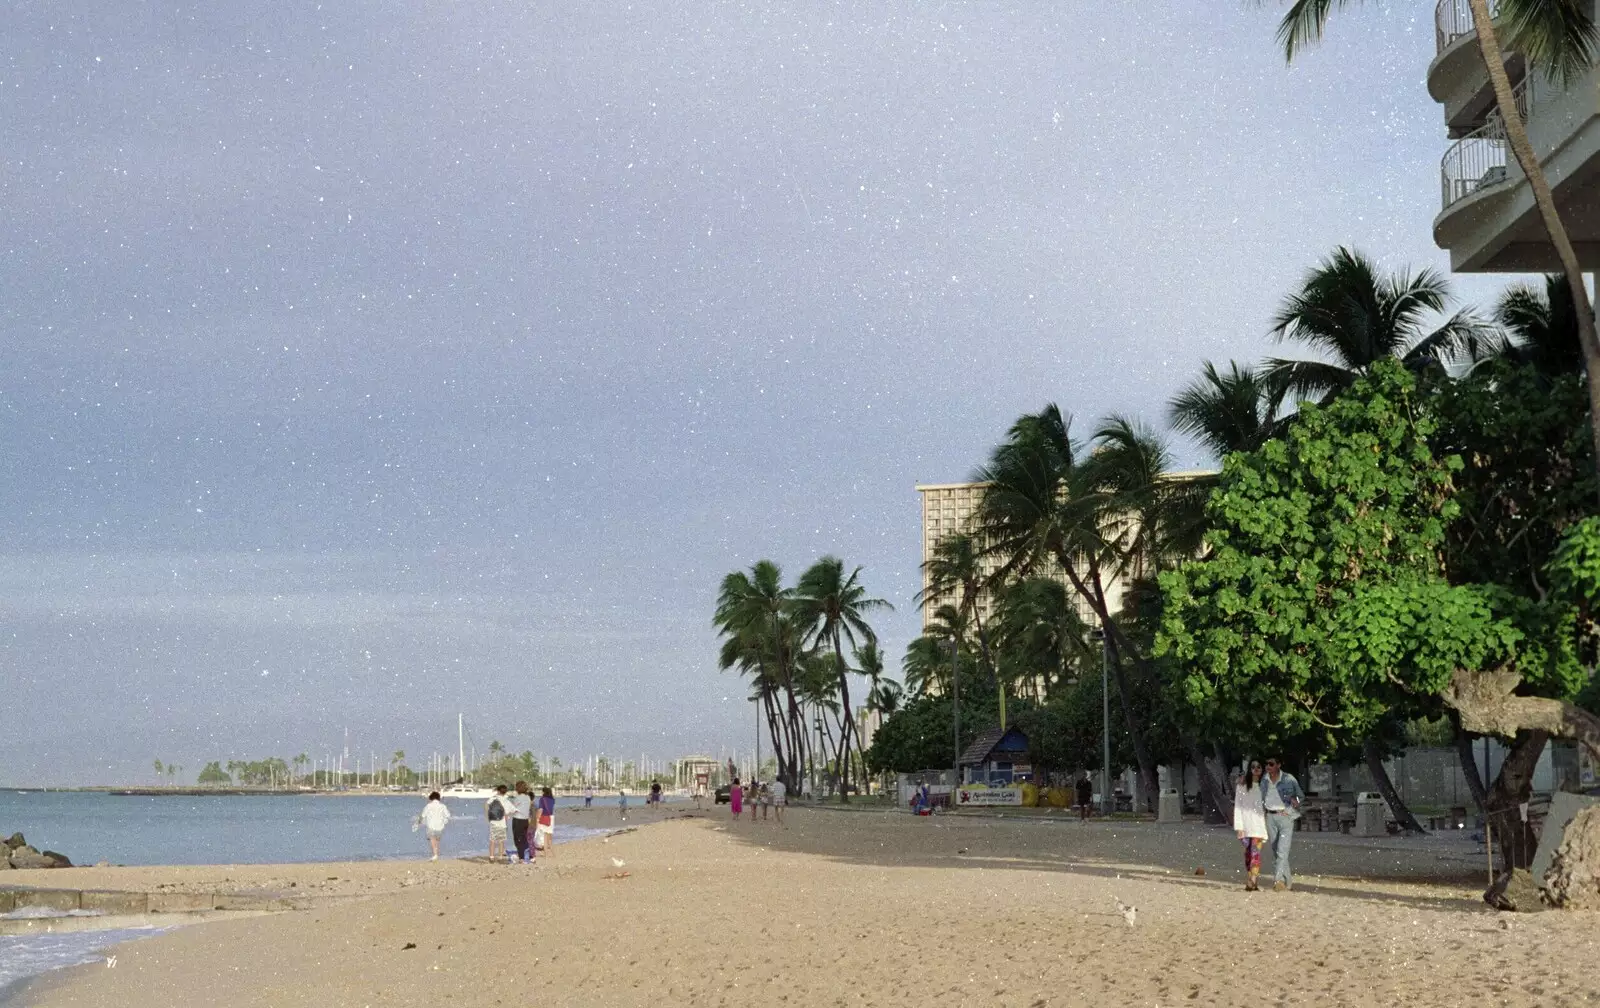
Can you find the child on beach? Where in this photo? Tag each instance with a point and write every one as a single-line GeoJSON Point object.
{"type": "Point", "coordinates": [622, 803]}
{"type": "Point", "coordinates": [498, 811]}
{"type": "Point", "coordinates": [544, 830]}
{"type": "Point", "coordinates": [434, 817]}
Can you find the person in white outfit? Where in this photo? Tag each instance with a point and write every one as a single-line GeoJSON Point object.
{"type": "Point", "coordinates": [434, 817]}
{"type": "Point", "coordinates": [1250, 822]}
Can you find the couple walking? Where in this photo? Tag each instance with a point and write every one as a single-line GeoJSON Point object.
{"type": "Point", "coordinates": [1265, 807]}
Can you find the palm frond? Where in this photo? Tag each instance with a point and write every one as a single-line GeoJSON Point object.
{"type": "Point", "coordinates": [1557, 36]}
{"type": "Point", "coordinates": [1303, 23]}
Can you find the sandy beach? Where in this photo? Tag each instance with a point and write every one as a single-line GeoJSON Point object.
{"type": "Point", "coordinates": [856, 908]}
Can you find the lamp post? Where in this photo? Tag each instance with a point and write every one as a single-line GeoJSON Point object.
{"type": "Point", "coordinates": [816, 785]}
{"type": "Point", "coordinates": [1108, 804]}
{"type": "Point", "coordinates": [955, 707]}
{"type": "Point", "coordinates": [757, 702]}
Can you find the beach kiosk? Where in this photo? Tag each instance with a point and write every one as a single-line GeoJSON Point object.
{"type": "Point", "coordinates": [997, 759]}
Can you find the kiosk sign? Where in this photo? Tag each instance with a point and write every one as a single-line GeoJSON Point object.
{"type": "Point", "coordinates": [989, 796]}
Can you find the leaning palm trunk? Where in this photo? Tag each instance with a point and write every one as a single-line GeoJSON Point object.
{"type": "Point", "coordinates": [1522, 149]}
{"type": "Point", "coordinates": [846, 718]}
{"type": "Point", "coordinates": [1372, 754]}
{"type": "Point", "coordinates": [1118, 644]}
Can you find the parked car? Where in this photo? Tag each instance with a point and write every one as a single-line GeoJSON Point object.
{"type": "Point", "coordinates": [724, 795]}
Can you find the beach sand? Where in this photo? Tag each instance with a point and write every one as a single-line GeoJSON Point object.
{"type": "Point", "coordinates": [869, 908]}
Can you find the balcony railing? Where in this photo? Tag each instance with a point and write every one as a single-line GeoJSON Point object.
{"type": "Point", "coordinates": [1453, 18]}
{"type": "Point", "coordinates": [1478, 160]}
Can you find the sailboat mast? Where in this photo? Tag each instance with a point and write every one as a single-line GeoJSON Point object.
{"type": "Point", "coordinates": [461, 743]}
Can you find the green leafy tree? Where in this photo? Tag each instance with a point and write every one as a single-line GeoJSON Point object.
{"type": "Point", "coordinates": [921, 735]}
{"type": "Point", "coordinates": [213, 774]}
{"type": "Point", "coordinates": [1325, 605]}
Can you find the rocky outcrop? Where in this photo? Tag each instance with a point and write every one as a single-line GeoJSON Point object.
{"type": "Point", "coordinates": [29, 857]}
{"type": "Point", "coordinates": [1573, 881]}
{"type": "Point", "coordinates": [18, 853]}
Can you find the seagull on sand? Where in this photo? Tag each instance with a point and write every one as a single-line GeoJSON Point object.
{"type": "Point", "coordinates": [617, 862]}
{"type": "Point", "coordinates": [1129, 914]}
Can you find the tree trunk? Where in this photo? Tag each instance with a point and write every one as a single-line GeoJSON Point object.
{"type": "Point", "coordinates": [847, 719]}
{"type": "Point", "coordinates": [1141, 753]}
{"type": "Point", "coordinates": [1522, 149]}
{"type": "Point", "coordinates": [1488, 706]}
{"type": "Point", "coordinates": [1373, 754]}
{"type": "Point", "coordinates": [1512, 786]}
{"type": "Point", "coordinates": [1221, 796]}
{"type": "Point", "coordinates": [1469, 769]}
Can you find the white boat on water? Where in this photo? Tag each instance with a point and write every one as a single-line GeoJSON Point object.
{"type": "Point", "coordinates": [467, 792]}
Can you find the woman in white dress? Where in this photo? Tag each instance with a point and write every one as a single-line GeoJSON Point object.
{"type": "Point", "coordinates": [1250, 822]}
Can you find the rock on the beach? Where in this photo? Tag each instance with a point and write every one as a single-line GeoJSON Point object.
{"type": "Point", "coordinates": [1573, 881]}
{"type": "Point", "coordinates": [14, 841]}
{"type": "Point", "coordinates": [57, 860]}
{"type": "Point", "coordinates": [28, 857]}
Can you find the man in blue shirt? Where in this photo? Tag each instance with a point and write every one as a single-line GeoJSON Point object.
{"type": "Point", "coordinates": [1280, 796]}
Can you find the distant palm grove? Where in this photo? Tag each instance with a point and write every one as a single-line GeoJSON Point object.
{"type": "Point", "coordinates": [1402, 461]}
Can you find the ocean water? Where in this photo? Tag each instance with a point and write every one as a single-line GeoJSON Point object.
{"type": "Point", "coordinates": [217, 829]}
{"type": "Point", "coordinates": [241, 829]}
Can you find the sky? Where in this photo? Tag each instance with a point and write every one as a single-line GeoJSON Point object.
{"type": "Point", "coordinates": [364, 363]}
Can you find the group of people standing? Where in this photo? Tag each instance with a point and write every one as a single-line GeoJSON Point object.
{"type": "Point", "coordinates": [770, 795]}
{"type": "Point", "coordinates": [1266, 803]}
{"type": "Point", "coordinates": [530, 823]}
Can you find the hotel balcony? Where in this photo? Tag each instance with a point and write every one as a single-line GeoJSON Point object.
{"type": "Point", "coordinates": [1487, 220]}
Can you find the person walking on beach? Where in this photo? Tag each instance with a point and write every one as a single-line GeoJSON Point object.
{"type": "Point", "coordinates": [588, 795]}
{"type": "Point", "coordinates": [1280, 797]}
{"type": "Point", "coordinates": [434, 817]}
{"type": "Point", "coordinates": [735, 799]}
{"type": "Point", "coordinates": [544, 829]}
{"type": "Point", "coordinates": [764, 793]}
{"type": "Point", "coordinates": [655, 793]}
{"type": "Point", "coordinates": [778, 793]}
{"type": "Point", "coordinates": [1250, 822]}
{"type": "Point", "coordinates": [1085, 795]}
{"type": "Point", "coordinates": [497, 810]}
{"type": "Point", "coordinates": [699, 794]}
{"type": "Point", "coordinates": [521, 808]}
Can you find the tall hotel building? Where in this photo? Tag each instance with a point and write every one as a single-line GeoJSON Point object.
{"type": "Point", "coordinates": [1487, 220]}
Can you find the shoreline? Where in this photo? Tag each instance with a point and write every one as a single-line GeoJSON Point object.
{"type": "Point", "coordinates": [905, 910]}
{"type": "Point", "coordinates": [201, 894]}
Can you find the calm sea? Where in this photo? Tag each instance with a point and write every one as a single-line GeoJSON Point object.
{"type": "Point", "coordinates": [242, 829]}
{"type": "Point", "coordinates": [238, 829]}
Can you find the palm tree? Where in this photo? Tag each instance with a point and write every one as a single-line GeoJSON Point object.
{"type": "Point", "coordinates": [1543, 331]}
{"type": "Point", "coordinates": [1038, 633]}
{"type": "Point", "coordinates": [160, 769]}
{"type": "Point", "coordinates": [926, 665]}
{"type": "Point", "coordinates": [885, 697]}
{"type": "Point", "coordinates": [1351, 313]}
{"type": "Point", "coordinates": [1043, 512]}
{"type": "Point", "coordinates": [956, 567]}
{"type": "Point", "coordinates": [1227, 413]}
{"type": "Point", "coordinates": [1558, 36]}
{"type": "Point", "coordinates": [830, 606]}
{"type": "Point", "coordinates": [754, 607]}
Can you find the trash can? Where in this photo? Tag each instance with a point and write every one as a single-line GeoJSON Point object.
{"type": "Point", "coordinates": [1370, 809]}
{"type": "Point", "coordinates": [1169, 806]}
